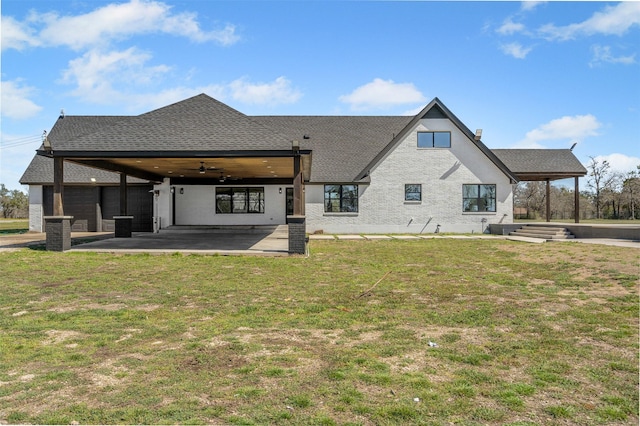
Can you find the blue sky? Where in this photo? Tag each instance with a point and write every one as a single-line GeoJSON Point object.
{"type": "Point", "coordinates": [530, 74]}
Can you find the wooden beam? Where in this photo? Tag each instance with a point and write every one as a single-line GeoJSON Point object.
{"type": "Point", "coordinates": [58, 186]}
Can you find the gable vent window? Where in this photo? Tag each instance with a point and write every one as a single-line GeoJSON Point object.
{"type": "Point", "coordinates": [434, 139]}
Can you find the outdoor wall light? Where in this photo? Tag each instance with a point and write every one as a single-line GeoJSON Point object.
{"type": "Point", "coordinates": [182, 190]}
{"type": "Point", "coordinates": [295, 145]}
{"type": "Point", "coordinates": [172, 190]}
{"type": "Point", "coordinates": [279, 190]}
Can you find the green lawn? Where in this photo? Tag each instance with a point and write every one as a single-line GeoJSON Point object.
{"type": "Point", "coordinates": [521, 334]}
{"type": "Point", "coordinates": [14, 226]}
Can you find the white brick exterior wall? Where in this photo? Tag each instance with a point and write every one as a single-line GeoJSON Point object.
{"type": "Point", "coordinates": [35, 208]}
{"type": "Point", "coordinates": [441, 171]}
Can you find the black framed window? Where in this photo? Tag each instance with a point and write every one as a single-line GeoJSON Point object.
{"type": "Point", "coordinates": [478, 198]}
{"type": "Point", "coordinates": [341, 198]}
{"type": "Point", "coordinates": [413, 192]}
{"type": "Point", "coordinates": [434, 139]}
{"type": "Point", "coordinates": [239, 200]}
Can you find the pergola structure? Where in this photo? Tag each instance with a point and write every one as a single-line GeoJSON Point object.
{"type": "Point", "coordinates": [545, 165]}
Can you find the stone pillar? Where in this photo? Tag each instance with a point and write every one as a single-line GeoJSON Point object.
{"type": "Point", "coordinates": [58, 229]}
{"type": "Point", "coordinates": [297, 234]}
{"type": "Point", "coordinates": [123, 226]}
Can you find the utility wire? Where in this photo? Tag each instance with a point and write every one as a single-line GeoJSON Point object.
{"type": "Point", "coordinates": [27, 140]}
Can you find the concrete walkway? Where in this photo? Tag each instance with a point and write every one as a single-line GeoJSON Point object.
{"type": "Point", "coordinates": [376, 237]}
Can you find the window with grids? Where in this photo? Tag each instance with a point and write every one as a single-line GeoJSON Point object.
{"type": "Point", "coordinates": [341, 198]}
{"type": "Point", "coordinates": [478, 198]}
{"type": "Point", "coordinates": [434, 139]}
{"type": "Point", "coordinates": [239, 200]}
{"type": "Point", "coordinates": [413, 192]}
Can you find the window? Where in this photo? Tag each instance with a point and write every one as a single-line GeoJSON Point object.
{"type": "Point", "coordinates": [479, 198]}
{"type": "Point", "coordinates": [239, 200]}
{"type": "Point", "coordinates": [413, 192]}
{"type": "Point", "coordinates": [341, 198]}
{"type": "Point", "coordinates": [434, 139]}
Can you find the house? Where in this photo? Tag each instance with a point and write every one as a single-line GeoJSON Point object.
{"type": "Point", "coordinates": [202, 162]}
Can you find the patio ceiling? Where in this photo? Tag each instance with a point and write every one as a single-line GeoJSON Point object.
{"type": "Point", "coordinates": [229, 168]}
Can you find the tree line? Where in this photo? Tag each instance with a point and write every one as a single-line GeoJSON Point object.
{"type": "Point", "coordinates": [609, 195]}
{"type": "Point", "coordinates": [13, 204]}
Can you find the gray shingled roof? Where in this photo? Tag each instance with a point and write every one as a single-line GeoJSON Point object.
{"type": "Point", "coordinates": [40, 172]}
{"type": "Point", "coordinates": [555, 162]}
{"type": "Point", "coordinates": [342, 145]}
{"type": "Point", "coordinates": [200, 123]}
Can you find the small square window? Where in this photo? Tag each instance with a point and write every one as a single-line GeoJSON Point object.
{"type": "Point", "coordinates": [434, 139]}
{"type": "Point", "coordinates": [413, 192]}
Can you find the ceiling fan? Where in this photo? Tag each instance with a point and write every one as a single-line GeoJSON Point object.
{"type": "Point", "coordinates": [203, 169]}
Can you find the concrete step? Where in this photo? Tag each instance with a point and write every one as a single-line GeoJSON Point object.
{"type": "Point", "coordinates": [542, 232]}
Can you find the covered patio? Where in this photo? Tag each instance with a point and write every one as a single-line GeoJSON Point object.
{"type": "Point", "coordinates": [197, 143]}
{"type": "Point", "coordinates": [545, 165]}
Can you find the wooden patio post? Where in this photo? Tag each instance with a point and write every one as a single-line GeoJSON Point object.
{"type": "Point", "coordinates": [297, 186]}
{"type": "Point", "coordinates": [58, 226]}
{"type": "Point", "coordinates": [548, 196]}
{"type": "Point", "coordinates": [58, 186]}
{"type": "Point", "coordinates": [576, 200]}
{"type": "Point", "coordinates": [123, 194]}
{"type": "Point", "coordinates": [297, 221]}
{"type": "Point", "coordinates": [123, 223]}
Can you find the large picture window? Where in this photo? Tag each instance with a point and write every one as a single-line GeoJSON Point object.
{"type": "Point", "coordinates": [239, 200]}
{"type": "Point", "coordinates": [341, 198]}
{"type": "Point", "coordinates": [434, 139]}
{"type": "Point", "coordinates": [478, 198]}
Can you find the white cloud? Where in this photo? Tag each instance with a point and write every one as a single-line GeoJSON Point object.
{"type": "Point", "coordinates": [382, 93]}
{"type": "Point", "coordinates": [114, 22]}
{"type": "Point", "coordinates": [603, 54]}
{"type": "Point", "coordinates": [568, 129]}
{"type": "Point", "coordinates": [620, 162]}
{"type": "Point", "coordinates": [530, 5]}
{"type": "Point", "coordinates": [15, 100]}
{"type": "Point", "coordinates": [516, 50]}
{"type": "Point", "coordinates": [613, 20]}
{"type": "Point", "coordinates": [277, 92]}
{"type": "Point", "coordinates": [16, 35]}
{"type": "Point", "coordinates": [95, 74]}
{"type": "Point", "coordinates": [509, 27]}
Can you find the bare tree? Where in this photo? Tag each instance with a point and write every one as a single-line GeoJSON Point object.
{"type": "Point", "coordinates": [601, 180]}
{"type": "Point", "coordinates": [631, 192]}
{"type": "Point", "coordinates": [530, 195]}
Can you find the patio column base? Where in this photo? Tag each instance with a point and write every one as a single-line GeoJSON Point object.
{"type": "Point", "coordinates": [297, 234]}
{"type": "Point", "coordinates": [58, 230]}
{"type": "Point", "coordinates": [123, 225]}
